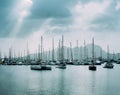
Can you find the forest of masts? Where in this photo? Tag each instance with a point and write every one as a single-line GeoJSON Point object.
{"type": "Point", "coordinates": [79, 55]}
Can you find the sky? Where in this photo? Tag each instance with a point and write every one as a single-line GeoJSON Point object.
{"type": "Point", "coordinates": [25, 21]}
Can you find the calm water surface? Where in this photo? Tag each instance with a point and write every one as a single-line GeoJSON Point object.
{"type": "Point", "coordinates": [75, 80]}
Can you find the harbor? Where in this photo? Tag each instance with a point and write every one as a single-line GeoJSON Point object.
{"type": "Point", "coordinates": [64, 74]}
{"type": "Point", "coordinates": [59, 47]}
{"type": "Point", "coordinates": [75, 73]}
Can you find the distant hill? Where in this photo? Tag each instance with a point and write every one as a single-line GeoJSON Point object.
{"type": "Point", "coordinates": [77, 52]}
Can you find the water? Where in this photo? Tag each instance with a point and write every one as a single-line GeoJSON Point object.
{"type": "Point", "coordinates": [75, 80]}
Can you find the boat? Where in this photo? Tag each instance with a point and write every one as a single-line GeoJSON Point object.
{"type": "Point", "coordinates": [86, 62]}
{"type": "Point", "coordinates": [108, 64]}
{"type": "Point", "coordinates": [100, 59]}
{"type": "Point", "coordinates": [98, 62]}
{"type": "Point", "coordinates": [70, 62]}
{"type": "Point", "coordinates": [92, 66]}
{"type": "Point", "coordinates": [81, 56]}
{"type": "Point", "coordinates": [42, 65]}
{"type": "Point", "coordinates": [62, 64]}
{"type": "Point", "coordinates": [76, 60]}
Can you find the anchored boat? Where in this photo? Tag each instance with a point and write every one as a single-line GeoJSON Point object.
{"type": "Point", "coordinates": [92, 66]}
{"type": "Point", "coordinates": [42, 65]}
{"type": "Point", "coordinates": [108, 64]}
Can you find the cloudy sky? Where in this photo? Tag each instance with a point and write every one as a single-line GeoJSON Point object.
{"type": "Point", "coordinates": [23, 21]}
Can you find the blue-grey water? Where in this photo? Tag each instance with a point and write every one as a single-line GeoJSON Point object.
{"type": "Point", "coordinates": [75, 80]}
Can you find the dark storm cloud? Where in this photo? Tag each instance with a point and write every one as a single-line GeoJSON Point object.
{"type": "Point", "coordinates": [56, 10]}
{"type": "Point", "coordinates": [59, 11]}
{"type": "Point", "coordinates": [109, 21]}
{"type": "Point", "coordinates": [49, 9]}
{"type": "Point", "coordinates": [6, 23]}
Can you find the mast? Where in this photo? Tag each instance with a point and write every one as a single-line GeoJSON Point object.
{"type": "Point", "coordinates": [28, 55]}
{"type": "Point", "coordinates": [39, 52]}
{"type": "Point", "coordinates": [67, 54]}
{"type": "Point", "coordinates": [10, 55]}
{"type": "Point", "coordinates": [62, 51]}
{"type": "Point", "coordinates": [53, 50]}
{"type": "Point", "coordinates": [77, 51]}
{"type": "Point", "coordinates": [81, 55]}
{"type": "Point", "coordinates": [14, 55]}
{"type": "Point", "coordinates": [43, 54]}
{"type": "Point", "coordinates": [71, 52]}
{"type": "Point", "coordinates": [85, 51]}
{"type": "Point", "coordinates": [19, 55]}
{"type": "Point", "coordinates": [93, 51]}
{"type": "Point", "coordinates": [24, 55]}
{"type": "Point", "coordinates": [41, 46]}
{"type": "Point", "coordinates": [108, 53]}
{"type": "Point", "coordinates": [46, 57]}
{"type": "Point", "coordinates": [49, 55]}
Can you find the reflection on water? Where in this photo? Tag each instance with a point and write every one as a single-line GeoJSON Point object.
{"type": "Point", "coordinates": [75, 80]}
{"type": "Point", "coordinates": [93, 83]}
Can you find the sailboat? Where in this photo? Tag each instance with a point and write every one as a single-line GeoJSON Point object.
{"type": "Point", "coordinates": [100, 59]}
{"type": "Point", "coordinates": [85, 55]}
{"type": "Point", "coordinates": [81, 56]}
{"type": "Point", "coordinates": [97, 61]}
{"type": "Point", "coordinates": [53, 53]}
{"type": "Point", "coordinates": [62, 64]}
{"type": "Point", "coordinates": [70, 61]}
{"type": "Point", "coordinates": [108, 63]}
{"type": "Point", "coordinates": [92, 66]}
{"type": "Point", "coordinates": [10, 57]}
{"type": "Point", "coordinates": [76, 61]}
{"type": "Point", "coordinates": [42, 65]}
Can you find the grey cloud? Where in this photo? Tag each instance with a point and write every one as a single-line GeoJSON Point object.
{"type": "Point", "coordinates": [6, 23]}
{"type": "Point", "coordinates": [30, 26]}
{"type": "Point", "coordinates": [49, 9]}
{"type": "Point", "coordinates": [61, 22]}
{"type": "Point", "coordinates": [88, 1]}
{"type": "Point", "coordinates": [57, 10]}
{"type": "Point", "coordinates": [54, 8]}
{"type": "Point", "coordinates": [109, 21]}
